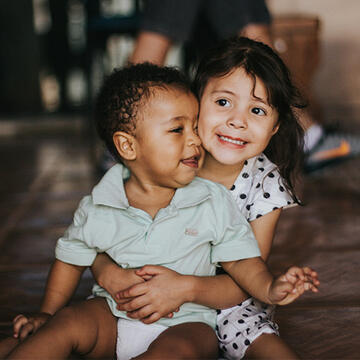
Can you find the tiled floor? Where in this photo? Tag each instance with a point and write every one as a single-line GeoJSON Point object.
{"type": "Point", "coordinates": [44, 175]}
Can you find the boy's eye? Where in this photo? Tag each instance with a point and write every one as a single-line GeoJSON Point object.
{"type": "Point", "coordinates": [196, 130]}
{"type": "Point", "coordinates": [223, 102]}
{"type": "Point", "coordinates": [258, 111]}
{"type": "Point", "coordinates": [177, 130]}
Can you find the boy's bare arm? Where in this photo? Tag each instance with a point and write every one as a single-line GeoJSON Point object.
{"type": "Point", "coordinates": [61, 284]}
{"type": "Point", "coordinates": [113, 277]}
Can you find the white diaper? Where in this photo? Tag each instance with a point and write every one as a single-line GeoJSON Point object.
{"type": "Point", "coordinates": [134, 337]}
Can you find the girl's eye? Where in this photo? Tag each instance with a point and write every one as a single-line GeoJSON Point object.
{"type": "Point", "coordinates": [223, 102]}
{"type": "Point", "coordinates": [177, 130]}
{"type": "Point", "coordinates": [196, 130]}
{"type": "Point", "coordinates": [258, 111]}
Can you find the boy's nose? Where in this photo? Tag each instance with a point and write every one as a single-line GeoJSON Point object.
{"type": "Point", "coordinates": [194, 140]}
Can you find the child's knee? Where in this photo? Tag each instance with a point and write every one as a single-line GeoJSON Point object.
{"type": "Point", "coordinates": [65, 325]}
{"type": "Point", "coordinates": [197, 342]}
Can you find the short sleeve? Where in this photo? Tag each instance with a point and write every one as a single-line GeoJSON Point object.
{"type": "Point", "coordinates": [72, 247]}
{"type": "Point", "coordinates": [270, 195]}
{"type": "Point", "coordinates": [236, 240]}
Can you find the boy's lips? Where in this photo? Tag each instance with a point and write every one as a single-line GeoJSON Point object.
{"type": "Point", "coordinates": [192, 161]}
{"type": "Point", "coordinates": [231, 140]}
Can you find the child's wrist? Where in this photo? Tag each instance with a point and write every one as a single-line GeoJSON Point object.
{"type": "Point", "coordinates": [191, 285]}
{"type": "Point", "coordinates": [270, 299]}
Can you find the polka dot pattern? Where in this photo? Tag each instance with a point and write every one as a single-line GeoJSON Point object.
{"type": "Point", "coordinates": [241, 325]}
{"type": "Point", "coordinates": [259, 189]}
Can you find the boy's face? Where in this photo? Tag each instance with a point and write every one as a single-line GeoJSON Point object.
{"type": "Point", "coordinates": [235, 123]}
{"type": "Point", "coordinates": [168, 147]}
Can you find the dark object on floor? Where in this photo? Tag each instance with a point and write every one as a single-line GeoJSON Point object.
{"type": "Point", "coordinates": [332, 149]}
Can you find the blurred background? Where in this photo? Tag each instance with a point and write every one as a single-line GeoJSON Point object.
{"type": "Point", "coordinates": [45, 43]}
{"type": "Point", "coordinates": [53, 56]}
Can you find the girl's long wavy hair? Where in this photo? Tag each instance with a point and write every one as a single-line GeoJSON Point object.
{"type": "Point", "coordinates": [259, 61]}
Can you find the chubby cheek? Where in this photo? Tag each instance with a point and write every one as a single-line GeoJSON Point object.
{"type": "Point", "coordinates": [204, 132]}
{"type": "Point", "coordinates": [202, 157]}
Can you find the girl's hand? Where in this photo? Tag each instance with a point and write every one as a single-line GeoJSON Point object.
{"type": "Point", "coordinates": [288, 287]}
{"type": "Point", "coordinates": [26, 325]}
{"type": "Point", "coordinates": [162, 294]}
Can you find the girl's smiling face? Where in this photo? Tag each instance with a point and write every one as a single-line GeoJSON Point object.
{"type": "Point", "coordinates": [236, 122]}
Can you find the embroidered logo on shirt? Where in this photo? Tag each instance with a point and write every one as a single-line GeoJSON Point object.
{"type": "Point", "coordinates": [191, 232]}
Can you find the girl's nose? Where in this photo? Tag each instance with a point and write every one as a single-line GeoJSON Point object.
{"type": "Point", "coordinates": [237, 120]}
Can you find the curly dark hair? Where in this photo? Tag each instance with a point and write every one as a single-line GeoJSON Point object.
{"type": "Point", "coordinates": [123, 94]}
{"type": "Point", "coordinates": [259, 61]}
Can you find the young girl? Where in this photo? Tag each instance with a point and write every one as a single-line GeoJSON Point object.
{"type": "Point", "coordinates": [253, 145]}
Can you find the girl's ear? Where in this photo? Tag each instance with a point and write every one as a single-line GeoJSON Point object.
{"type": "Point", "coordinates": [275, 128]}
{"type": "Point", "coordinates": [125, 145]}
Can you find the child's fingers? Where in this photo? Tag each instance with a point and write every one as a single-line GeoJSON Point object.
{"type": "Point", "coordinates": [294, 274]}
{"type": "Point", "coordinates": [142, 313]}
{"type": "Point", "coordinates": [148, 270]}
{"type": "Point", "coordinates": [18, 317]}
{"type": "Point", "coordinates": [151, 319]}
{"type": "Point", "coordinates": [308, 271]}
{"type": "Point", "coordinates": [299, 288]}
{"type": "Point", "coordinates": [131, 292]}
{"type": "Point", "coordinates": [26, 330]}
{"type": "Point", "coordinates": [18, 322]}
{"type": "Point", "coordinates": [311, 274]}
{"type": "Point", "coordinates": [146, 277]}
{"type": "Point", "coordinates": [309, 285]}
{"type": "Point", "coordinates": [284, 287]}
{"type": "Point", "coordinates": [135, 304]}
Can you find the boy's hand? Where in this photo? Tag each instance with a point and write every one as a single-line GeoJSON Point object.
{"type": "Point", "coordinates": [160, 296]}
{"type": "Point", "coordinates": [288, 287]}
{"type": "Point", "coordinates": [123, 279]}
{"type": "Point", "coordinates": [26, 325]}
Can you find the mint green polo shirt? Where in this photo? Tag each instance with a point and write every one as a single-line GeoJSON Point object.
{"type": "Point", "coordinates": [201, 227]}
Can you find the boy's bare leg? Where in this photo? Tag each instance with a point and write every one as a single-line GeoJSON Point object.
{"type": "Point", "coordinates": [270, 346]}
{"type": "Point", "coordinates": [7, 345]}
{"type": "Point", "coordinates": [87, 328]}
{"type": "Point", "coordinates": [184, 341]}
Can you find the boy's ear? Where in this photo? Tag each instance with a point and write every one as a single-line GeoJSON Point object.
{"type": "Point", "coordinates": [125, 145]}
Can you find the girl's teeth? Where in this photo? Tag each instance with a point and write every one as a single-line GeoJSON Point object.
{"type": "Point", "coordinates": [237, 142]}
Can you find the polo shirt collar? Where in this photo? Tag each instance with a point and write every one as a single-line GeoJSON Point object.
{"type": "Point", "coordinates": [192, 194]}
{"type": "Point", "coordinates": [110, 191]}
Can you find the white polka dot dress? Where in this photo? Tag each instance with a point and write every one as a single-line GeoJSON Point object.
{"type": "Point", "coordinates": [259, 188]}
